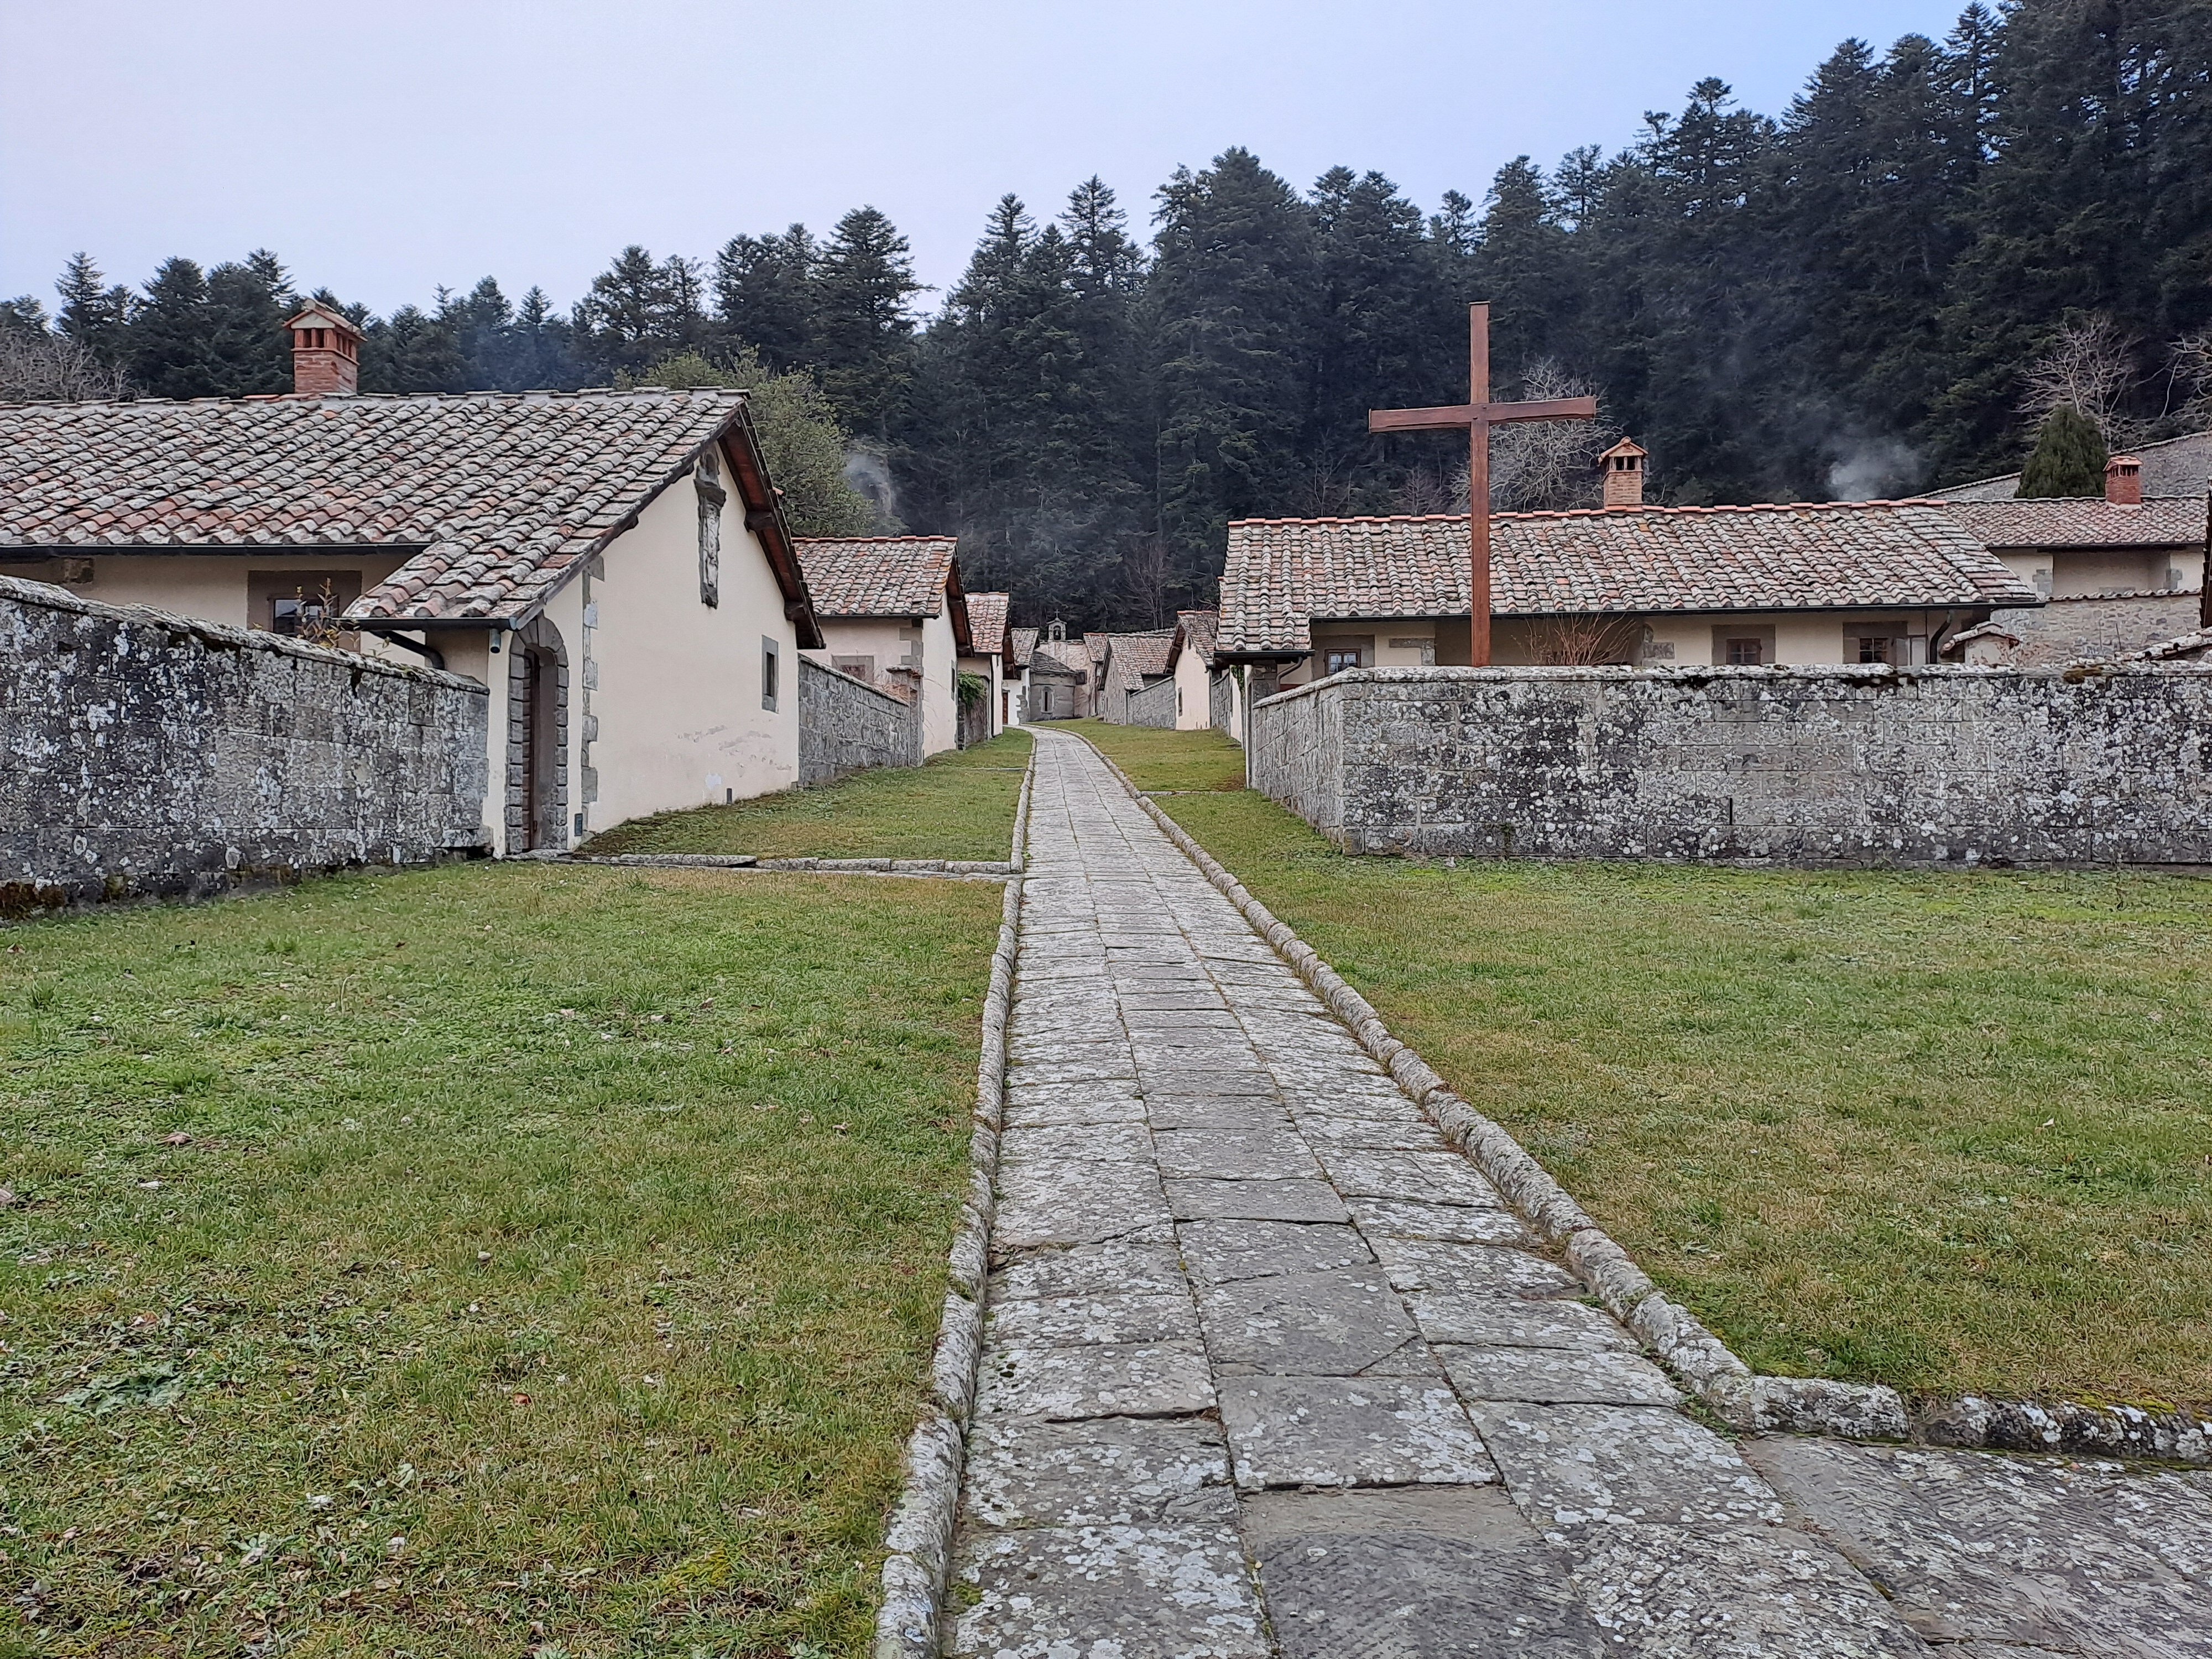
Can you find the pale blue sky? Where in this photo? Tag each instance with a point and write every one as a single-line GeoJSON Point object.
{"type": "Point", "coordinates": [383, 149]}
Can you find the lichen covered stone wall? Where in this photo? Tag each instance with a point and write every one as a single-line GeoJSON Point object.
{"type": "Point", "coordinates": [1803, 766]}
{"type": "Point", "coordinates": [1154, 706]}
{"type": "Point", "coordinates": [846, 726]}
{"type": "Point", "coordinates": [147, 754]}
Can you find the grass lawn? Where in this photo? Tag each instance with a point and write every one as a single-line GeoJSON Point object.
{"type": "Point", "coordinates": [1950, 1131]}
{"type": "Point", "coordinates": [472, 1261]}
{"type": "Point", "coordinates": [1168, 761]}
{"type": "Point", "coordinates": [956, 806]}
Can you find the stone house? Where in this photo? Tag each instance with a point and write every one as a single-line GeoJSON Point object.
{"type": "Point", "coordinates": [1021, 650]}
{"type": "Point", "coordinates": [2120, 574]}
{"type": "Point", "coordinates": [987, 661]}
{"type": "Point", "coordinates": [1131, 663]}
{"type": "Point", "coordinates": [1057, 683]}
{"type": "Point", "coordinates": [615, 567]}
{"type": "Point", "coordinates": [1836, 583]}
{"type": "Point", "coordinates": [892, 614]}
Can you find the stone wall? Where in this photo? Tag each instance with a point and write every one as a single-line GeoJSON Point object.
{"type": "Point", "coordinates": [151, 755]}
{"type": "Point", "coordinates": [2098, 629]}
{"type": "Point", "coordinates": [847, 725]}
{"type": "Point", "coordinates": [1807, 766]}
{"type": "Point", "coordinates": [1154, 706]}
{"type": "Point", "coordinates": [1221, 700]}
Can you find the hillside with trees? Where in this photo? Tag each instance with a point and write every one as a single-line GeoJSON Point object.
{"type": "Point", "coordinates": [1889, 285]}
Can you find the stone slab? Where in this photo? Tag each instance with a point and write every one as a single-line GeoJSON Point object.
{"type": "Point", "coordinates": [1107, 1471]}
{"type": "Point", "coordinates": [1063, 1321]}
{"type": "Point", "coordinates": [1420, 1264]}
{"type": "Point", "coordinates": [1218, 1252]}
{"type": "Point", "coordinates": [1074, 1203]}
{"type": "Point", "coordinates": [1429, 1178]}
{"type": "Point", "coordinates": [1132, 1379]}
{"type": "Point", "coordinates": [1451, 1223]}
{"type": "Point", "coordinates": [1555, 1376]}
{"type": "Point", "coordinates": [1108, 1593]}
{"type": "Point", "coordinates": [1200, 1199]}
{"type": "Point", "coordinates": [1349, 1431]}
{"type": "Point", "coordinates": [1270, 1152]}
{"type": "Point", "coordinates": [1491, 1320]}
{"type": "Point", "coordinates": [1176, 1111]}
{"type": "Point", "coordinates": [1341, 1323]}
{"type": "Point", "coordinates": [1142, 1261]}
{"type": "Point", "coordinates": [1436, 1573]}
{"type": "Point", "coordinates": [1055, 1143]}
{"type": "Point", "coordinates": [1576, 1466]}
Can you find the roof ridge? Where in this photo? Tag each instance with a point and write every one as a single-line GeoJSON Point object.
{"type": "Point", "coordinates": [1606, 511]}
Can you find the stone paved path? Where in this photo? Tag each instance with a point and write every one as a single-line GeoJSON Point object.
{"type": "Point", "coordinates": [1270, 1370]}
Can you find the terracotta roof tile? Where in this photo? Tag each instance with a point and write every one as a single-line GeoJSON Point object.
{"type": "Point", "coordinates": [876, 576]}
{"type": "Point", "coordinates": [496, 495]}
{"type": "Point", "coordinates": [1282, 572]}
{"type": "Point", "coordinates": [1199, 629]}
{"type": "Point", "coordinates": [2084, 521]}
{"type": "Point", "coordinates": [987, 622]}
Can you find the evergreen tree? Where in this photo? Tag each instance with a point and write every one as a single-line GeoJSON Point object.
{"type": "Point", "coordinates": [172, 338]}
{"type": "Point", "coordinates": [2068, 458]}
{"type": "Point", "coordinates": [640, 310]}
{"type": "Point", "coordinates": [542, 348]}
{"type": "Point", "coordinates": [863, 335]}
{"type": "Point", "coordinates": [413, 350]}
{"type": "Point", "coordinates": [1233, 299]}
{"type": "Point", "coordinates": [248, 304]}
{"type": "Point", "coordinates": [765, 294]}
{"type": "Point", "coordinates": [94, 315]}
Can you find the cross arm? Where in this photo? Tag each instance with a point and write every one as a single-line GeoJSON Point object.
{"type": "Point", "coordinates": [1458, 417]}
{"type": "Point", "coordinates": [1546, 409]}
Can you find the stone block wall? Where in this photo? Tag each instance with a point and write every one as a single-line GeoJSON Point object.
{"type": "Point", "coordinates": [847, 725]}
{"type": "Point", "coordinates": [152, 755]}
{"type": "Point", "coordinates": [1221, 700]}
{"type": "Point", "coordinates": [1803, 766]}
{"type": "Point", "coordinates": [1154, 706]}
{"type": "Point", "coordinates": [2098, 629]}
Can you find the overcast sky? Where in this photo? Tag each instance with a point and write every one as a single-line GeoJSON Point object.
{"type": "Point", "coordinates": [387, 147]}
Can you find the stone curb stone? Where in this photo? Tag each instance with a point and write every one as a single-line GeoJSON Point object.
{"type": "Point", "coordinates": [920, 1539]}
{"type": "Point", "coordinates": [1853, 1411]}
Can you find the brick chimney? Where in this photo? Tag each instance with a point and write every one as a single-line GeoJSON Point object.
{"type": "Point", "coordinates": [1624, 474]}
{"type": "Point", "coordinates": [325, 353]}
{"type": "Point", "coordinates": [2123, 481]}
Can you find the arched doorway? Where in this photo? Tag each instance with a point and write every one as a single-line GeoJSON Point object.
{"type": "Point", "coordinates": [536, 739]}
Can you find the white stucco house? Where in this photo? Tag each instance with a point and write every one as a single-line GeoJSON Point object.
{"type": "Point", "coordinates": [892, 613]}
{"type": "Point", "coordinates": [987, 658]}
{"type": "Point", "coordinates": [615, 567]}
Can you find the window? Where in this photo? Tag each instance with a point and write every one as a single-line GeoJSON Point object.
{"type": "Point", "coordinates": [1740, 645]}
{"type": "Point", "coordinates": [769, 667]}
{"type": "Point", "coordinates": [1746, 653]}
{"type": "Point", "coordinates": [306, 604]}
{"type": "Point", "coordinates": [1337, 655]}
{"type": "Point", "coordinates": [1872, 649]}
{"type": "Point", "coordinates": [1339, 661]}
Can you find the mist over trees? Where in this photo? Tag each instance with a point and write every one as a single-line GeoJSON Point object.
{"type": "Point", "coordinates": [1890, 285]}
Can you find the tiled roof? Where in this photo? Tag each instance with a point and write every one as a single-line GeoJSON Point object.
{"type": "Point", "coordinates": [1096, 645]}
{"type": "Point", "coordinates": [496, 495]}
{"type": "Point", "coordinates": [987, 622]}
{"type": "Point", "coordinates": [2172, 467]}
{"type": "Point", "coordinates": [1199, 630]}
{"type": "Point", "coordinates": [876, 575]}
{"type": "Point", "coordinates": [1023, 642]}
{"type": "Point", "coordinates": [2084, 521]}
{"type": "Point", "coordinates": [1145, 653]}
{"type": "Point", "coordinates": [1641, 560]}
{"type": "Point", "coordinates": [1068, 656]}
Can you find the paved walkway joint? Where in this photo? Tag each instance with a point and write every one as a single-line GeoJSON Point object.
{"type": "Point", "coordinates": [1269, 1369]}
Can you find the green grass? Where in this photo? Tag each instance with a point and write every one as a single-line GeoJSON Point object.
{"type": "Point", "coordinates": [956, 806]}
{"type": "Point", "coordinates": [1169, 760]}
{"type": "Point", "coordinates": [582, 1228]}
{"type": "Point", "coordinates": [1949, 1132]}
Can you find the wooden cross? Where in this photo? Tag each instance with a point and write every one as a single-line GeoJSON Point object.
{"type": "Point", "coordinates": [1475, 417]}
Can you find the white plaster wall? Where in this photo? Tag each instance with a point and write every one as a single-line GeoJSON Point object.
{"type": "Point", "coordinates": [674, 685]}
{"type": "Point", "coordinates": [1192, 707]}
{"type": "Point", "coordinates": [940, 677]}
{"type": "Point", "coordinates": [210, 585]}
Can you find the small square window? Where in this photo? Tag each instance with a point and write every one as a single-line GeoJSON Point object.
{"type": "Point", "coordinates": [769, 665]}
{"type": "Point", "coordinates": [1873, 650]}
{"type": "Point", "coordinates": [1746, 653]}
{"type": "Point", "coordinates": [1339, 661]}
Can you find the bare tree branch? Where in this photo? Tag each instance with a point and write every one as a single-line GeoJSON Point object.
{"type": "Point", "coordinates": [36, 366]}
{"type": "Point", "coordinates": [2092, 366]}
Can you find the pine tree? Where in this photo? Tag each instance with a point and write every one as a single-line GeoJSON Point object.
{"type": "Point", "coordinates": [765, 294]}
{"type": "Point", "coordinates": [1377, 340]}
{"type": "Point", "coordinates": [1233, 293]}
{"type": "Point", "coordinates": [640, 311]}
{"type": "Point", "coordinates": [864, 337]}
{"type": "Point", "coordinates": [247, 303]}
{"type": "Point", "coordinates": [2068, 458]}
{"type": "Point", "coordinates": [171, 337]}
{"type": "Point", "coordinates": [94, 315]}
{"type": "Point", "coordinates": [412, 350]}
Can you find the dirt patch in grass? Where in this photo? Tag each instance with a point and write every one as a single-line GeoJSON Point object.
{"type": "Point", "coordinates": [1949, 1132]}
{"type": "Point", "coordinates": [958, 805]}
{"type": "Point", "coordinates": [465, 1260]}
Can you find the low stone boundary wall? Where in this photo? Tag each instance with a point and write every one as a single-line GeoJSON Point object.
{"type": "Point", "coordinates": [1154, 706]}
{"type": "Point", "coordinates": [151, 755]}
{"type": "Point", "coordinates": [1874, 765]}
{"type": "Point", "coordinates": [846, 724]}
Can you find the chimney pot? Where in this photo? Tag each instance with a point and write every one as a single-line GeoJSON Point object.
{"type": "Point", "coordinates": [2123, 481]}
{"type": "Point", "coordinates": [1623, 465]}
{"type": "Point", "coordinates": [325, 353]}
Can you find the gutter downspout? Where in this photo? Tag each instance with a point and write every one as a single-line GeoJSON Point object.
{"type": "Point", "coordinates": [422, 648]}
